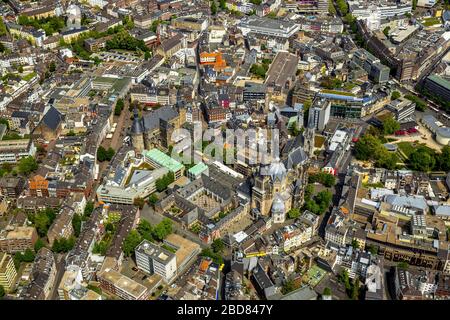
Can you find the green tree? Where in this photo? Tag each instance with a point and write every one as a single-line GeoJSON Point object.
{"type": "Point", "coordinates": [213, 7]}
{"type": "Point", "coordinates": [38, 245]}
{"type": "Point", "coordinates": [139, 202]}
{"type": "Point", "coordinates": [27, 165]}
{"type": "Point", "coordinates": [288, 286]}
{"type": "Point", "coordinates": [145, 229]}
{"type": "Point", "coordinates": [294, 213]}
{"type": "Point", "coordinates": [49, 24]}
{"type": "Point", "coordinates": [119, 107]}
{"type": "Point", "coordinates": [422, 159]}
{"type": "Point", "coordinates": [343, 7]}
{"type": "Point", "coordinates": [52, 66]}
{"type": "Point", "coordinates": [355, 244]}
{"type": "Point", "coordinates": [123, 40]}
{"type": "Point", "coordinates": [218, 245]}
{"type": "Point", "coordinates": [128, 22]}
{"type": "Point", "coordinates": [331, 8]}
{"type": "Point", "coordinates": [386, 160]}
{"type": "Point", "coordinates": [312, 206]}
{"type": "Point", "coordinates": [162, 229]}
{"type": "Point", "coordinates": [403, 265]}
{"type": "Point", "coordinates": [63, 245]}
{"type": "Point", "coordinates": [153, 198]}
{"type": "Point", "coordinates": [162, 183]}
{"type": "Point", "coordinates": [222, 4]}
{"type": "Point", "coordinates": [355, 290]}
{"type": "Point", "coordinates": [155, 25]}
{"type": "Point", "coordinates": [101, 247]}
{"type": "Point", "coordinates": [420, 104]}
{"type": "Point", "coordinates": [367, 147]}
{"type": "Point", "coordinates": [258, 70]}
{"type": "Point", "coordinates": [331, 83]}
{"type": "Point", "coordinates": [390, 125]}
{"type": "Point", "coordinates": [372, 249]}
{"type": "Point", "coordinates": [88, 208]}
{"type": "Point", "coordinates": [5, 122]}
{"type": "Point", "coordinates": [323, 200]}
{"type": "Point", "coordinates": [395, 95]}
{"type": "Point", "coordinates": [110, 154]}
{"type": "Point", "coordinates": [326, 292]}
{"type": "Point", "coordinates": [3, 30]}
{"type": "Point", "coordinates": [76, 224]}
{"type": "Point", "coordinates": [130, 243]}
{"type": "Point", "coordinates": [28, 256]}
{"type": "Point", "coordinates": [105, 155]}
{"type": "Point", "coordinates": [207, 252]}
{"type": "Point", "coordinates": [327, 179]}
{"type": "Point", "coordinates": [17, 259]}
{"type": "Point", "coordinates": [2, 292]}
{"type": "Point", "coordinates": [386, 31]}
{"type": "Point", "coordinates": [42, 223]}
{"type": "Point", "coordinates": [344, 279]}
{"type": "Point", "coordinates": [443, 159]}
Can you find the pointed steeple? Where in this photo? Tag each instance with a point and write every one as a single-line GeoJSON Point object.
{"type": "Point", "coordinates": [136, 127]}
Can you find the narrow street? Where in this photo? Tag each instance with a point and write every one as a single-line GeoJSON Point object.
{"type": "Point", "coordinates": [60, 269]}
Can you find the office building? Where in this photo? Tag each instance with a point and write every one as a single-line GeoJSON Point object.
{"type": "Point", "coordinates": [17, 239]}
{"type": "Point", "coordinates": [319, 114]}
{"type": "Point", "coordinates": [7, 271]}
{"type": "Point", "coordinates": [12, 151]}
{"type": "Point", "coordinates": [158, 159]}
{"type": "Point", "coordinates": [401, 108]}
{"type": "Point", "coordinates": [377, 71]}
{"type": "Point", "coordinates": [123, 287]}
{"type": "Point", "coordinates": [154, 259]}
{"type": "Point", "coordinates": [438, 87]}
{"type": "Point", "coordinates": [268, 27]}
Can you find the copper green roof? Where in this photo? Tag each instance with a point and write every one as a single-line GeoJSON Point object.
{"type": "Point", "coordinates": [440, 81]}
{"type": "Point", "coordinates": [198, 169]}
{"type": "Point", "coordinates": [163, 160]}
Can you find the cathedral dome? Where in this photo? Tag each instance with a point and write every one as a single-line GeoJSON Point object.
{"type": "Point", "coordinates": [278, 205]}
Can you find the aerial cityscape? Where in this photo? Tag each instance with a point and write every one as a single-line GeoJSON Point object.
{"type": "Point", "coordinates": [225, 150]}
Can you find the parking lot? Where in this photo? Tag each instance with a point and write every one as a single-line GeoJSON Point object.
{"type": "Point", "coordinates": [129, 269]}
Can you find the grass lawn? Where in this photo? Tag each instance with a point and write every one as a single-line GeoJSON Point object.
{"type": "Point", "coordinates": [427, 22]}
{"type": "Point", "coordinates": [342, 93]}
{"type": "Point", "coordinates": [29, 76]}
{"type": "Point", "coordinates": [319, 141]}
{"type": "Point", "coordinates": [314, 276]}
{"type": "Point", "coordinates": [349, 86]}
{"type": "Point", "coordinates": [409, 147]}
{"type": "Point", "coordinates": [406, 147]}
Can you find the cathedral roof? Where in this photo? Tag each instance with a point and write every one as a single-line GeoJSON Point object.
{"type": "Point", "coordinates": [277, 170]}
